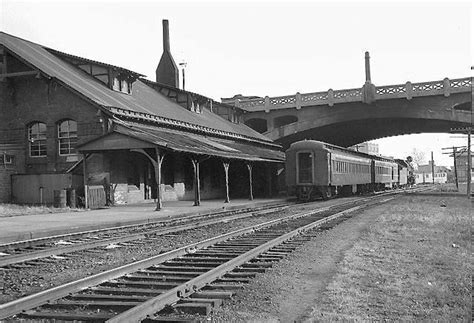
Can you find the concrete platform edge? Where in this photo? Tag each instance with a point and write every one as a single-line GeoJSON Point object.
{"type": "Point", "coordinates": [47, 233]}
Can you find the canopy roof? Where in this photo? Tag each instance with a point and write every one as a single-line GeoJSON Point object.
{"type": "Point", "coordinates": [127, 135]}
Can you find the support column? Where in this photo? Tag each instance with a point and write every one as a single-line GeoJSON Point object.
{"type": "Point", "coordinates": [249, 167]}
{"type": "Point", "coordinates": [157, 166]}
{"type": "Point", "coordinates": [197, 183]}
{"type": "Point", "coordinates": [226, 172]}
{"type": "Point", "coordinates": [86, 186]}
{"type": "Point", "coordinates": [269, 175]}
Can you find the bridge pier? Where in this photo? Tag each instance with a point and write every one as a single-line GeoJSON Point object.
{"type": "Point", "coordinates": [368, 89]}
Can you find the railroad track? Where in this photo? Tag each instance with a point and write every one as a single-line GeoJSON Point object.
{"type": "Point", "coordinates": [34, 252]}
{"type": "Point", "coordinates": [192, 278]}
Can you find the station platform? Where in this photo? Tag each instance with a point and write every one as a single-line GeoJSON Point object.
{"type": "Point", "coordinates": [31, 226]}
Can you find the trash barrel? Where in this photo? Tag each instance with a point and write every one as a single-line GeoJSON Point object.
{"type": "Point", "coordinates": [59, 198]}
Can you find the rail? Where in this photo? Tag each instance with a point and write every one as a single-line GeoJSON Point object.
{"type": "Point", "coordinates": [113, 276]}
{"type": "Point", "coordinates": [408, 90]}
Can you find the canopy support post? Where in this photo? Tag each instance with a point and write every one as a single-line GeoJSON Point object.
{"type": "Point", "coordinates": [157, 166]}
{"type": "Point", "coordinates": [226, 172]}
{"type": "Point", "coordinates": [269, 173]}
{"type": "Point", "coordinates": [86, 186]}
{"type": "Point", "coordinates": [197, 183]}
{"type": "Point", "coordinates": [249, 167]}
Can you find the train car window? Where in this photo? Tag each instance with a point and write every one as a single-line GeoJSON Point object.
{"type": "Point", "coordinates": [305, 168]}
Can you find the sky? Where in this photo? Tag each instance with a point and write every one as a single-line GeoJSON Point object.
{"type": "Point", "coordinates": [269, 48]}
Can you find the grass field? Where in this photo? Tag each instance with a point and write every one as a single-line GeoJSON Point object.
{"type": "Point", "coordinates": [413, 264]}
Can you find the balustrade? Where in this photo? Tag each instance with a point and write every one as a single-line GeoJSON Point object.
{"type": "Point", "coordinates": [409, 90]}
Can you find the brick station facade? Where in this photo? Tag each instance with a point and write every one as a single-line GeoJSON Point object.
{"type": "Point", "coordinates": [52, 104]}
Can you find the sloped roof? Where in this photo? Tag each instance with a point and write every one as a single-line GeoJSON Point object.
{"type": "Point", "coordinates": [128, 135]}
{"type": "Point", "coordinates": [143, 98]}
{"type": "Point", "coordinates": [427, 169]}
{"type": "Point", "coordinates": [74, 57]}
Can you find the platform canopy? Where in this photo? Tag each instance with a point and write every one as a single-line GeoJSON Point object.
{"type": "Point", "coordinates": [128, 136]}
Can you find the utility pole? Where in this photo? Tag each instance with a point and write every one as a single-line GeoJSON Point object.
{"type": "Point", "coordinates": [469, 162]}
{"type": "Point", "coordinates": [469, 156]}
{"type": "Point", "coordinates": [432, 168]}
{"type": "Point", "coordinates": [455, 169]}
{"type": "Point", "coordinates": [454, 153]}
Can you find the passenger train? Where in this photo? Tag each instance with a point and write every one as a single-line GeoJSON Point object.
{"type": "Point", "coordinates": [314, 168]}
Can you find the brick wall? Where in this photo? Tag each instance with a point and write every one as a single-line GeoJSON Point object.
{"type": "Point", "coordinates": [5, 185]}
{"type": "Point", "coordinates": [24, 100]}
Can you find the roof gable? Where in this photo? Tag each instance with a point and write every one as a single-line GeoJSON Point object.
{"type": "Point", "coordinates": [143, 99]}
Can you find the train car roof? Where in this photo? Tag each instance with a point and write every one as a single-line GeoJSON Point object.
{"type": "Point", "coordinates": [401, 162]}
{"type": "Point", "coordinates": [324, 145]}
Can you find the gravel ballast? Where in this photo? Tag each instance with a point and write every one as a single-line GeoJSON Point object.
{"type": "Point", "coordinates": [404, 260]}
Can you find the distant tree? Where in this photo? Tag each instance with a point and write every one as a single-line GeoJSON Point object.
{"type": "Point", "coordinates": [411, 169]}
{"type": "Point", "coordinates": [418, 156]}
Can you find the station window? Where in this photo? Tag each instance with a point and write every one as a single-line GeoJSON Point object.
{"type": "Point", "coordinates": [67, 137]}
{"type": "Point", "coordinates": [37, 139]}
{"type": "Point", "coordinates": [6, 159]}
{"type": "Point", "coordinates": [122, 85]}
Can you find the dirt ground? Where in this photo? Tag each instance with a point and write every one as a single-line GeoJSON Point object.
{"type": "Point", "coordinates": [407, 260]}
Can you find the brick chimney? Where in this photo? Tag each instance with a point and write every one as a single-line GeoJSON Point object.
{"type": "Point", "coordinates": [167, 71]}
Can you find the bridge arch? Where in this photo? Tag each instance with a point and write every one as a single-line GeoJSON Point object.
{"type": "Point", "coordinates": [284, 120]}
{"type": "Point", "coordinates": [351, 123]}
{"type": "Point", "coordinates": [257, 124]}
{"type": "Point", "coordinates": [370, 112]}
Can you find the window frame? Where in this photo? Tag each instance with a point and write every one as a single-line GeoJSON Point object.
{"type": "Point", "coordinates": [298, 166]}
{"type": "Point", "coordinates": [71, 140]}
{"type": "Point", "coordinates": [39, 140]}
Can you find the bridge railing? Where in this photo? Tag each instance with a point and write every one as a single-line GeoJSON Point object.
{"type": "Point", "coordinates": [408, 90]}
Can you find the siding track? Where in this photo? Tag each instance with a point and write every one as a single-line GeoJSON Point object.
{"type": "Point", "coordinates": [192, 278]}
{"type": "Point", "coordinates": [34, 252]}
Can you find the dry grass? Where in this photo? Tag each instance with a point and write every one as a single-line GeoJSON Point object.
{"type": "Point", "coordinates": [414, 264]}
{"type": "Point", "coordinates": [7, 210]}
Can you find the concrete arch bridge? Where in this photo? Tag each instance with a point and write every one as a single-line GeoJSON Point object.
{"type": "Point", "coordinates": [350, 116]}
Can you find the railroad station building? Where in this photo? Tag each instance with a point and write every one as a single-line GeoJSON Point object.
{"type": "Point", "coordinates": [114, 137]}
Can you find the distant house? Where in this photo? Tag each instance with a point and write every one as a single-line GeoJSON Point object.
{"type": "Point", "coordinates": [424, 174]}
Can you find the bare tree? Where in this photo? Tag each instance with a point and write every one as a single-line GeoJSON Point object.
{"type": "Point", "coordinates": [418, 156]}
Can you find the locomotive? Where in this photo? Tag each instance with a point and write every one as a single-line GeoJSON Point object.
{"type": "Point", "coordinates": [314, 168]}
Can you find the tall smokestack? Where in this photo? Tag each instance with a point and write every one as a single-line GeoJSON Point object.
{"type": "Point", "coordinates": [166, 36]}
{"type": "Point", "coordinates": [167, 71]}
{"type": "Point", "coordinates": [367, 67]}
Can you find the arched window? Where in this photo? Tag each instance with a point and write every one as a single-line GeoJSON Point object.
{"type": "Point", "coordinates": [67, 137]}
{"type": "Point", "coordinates": [37, 139]}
